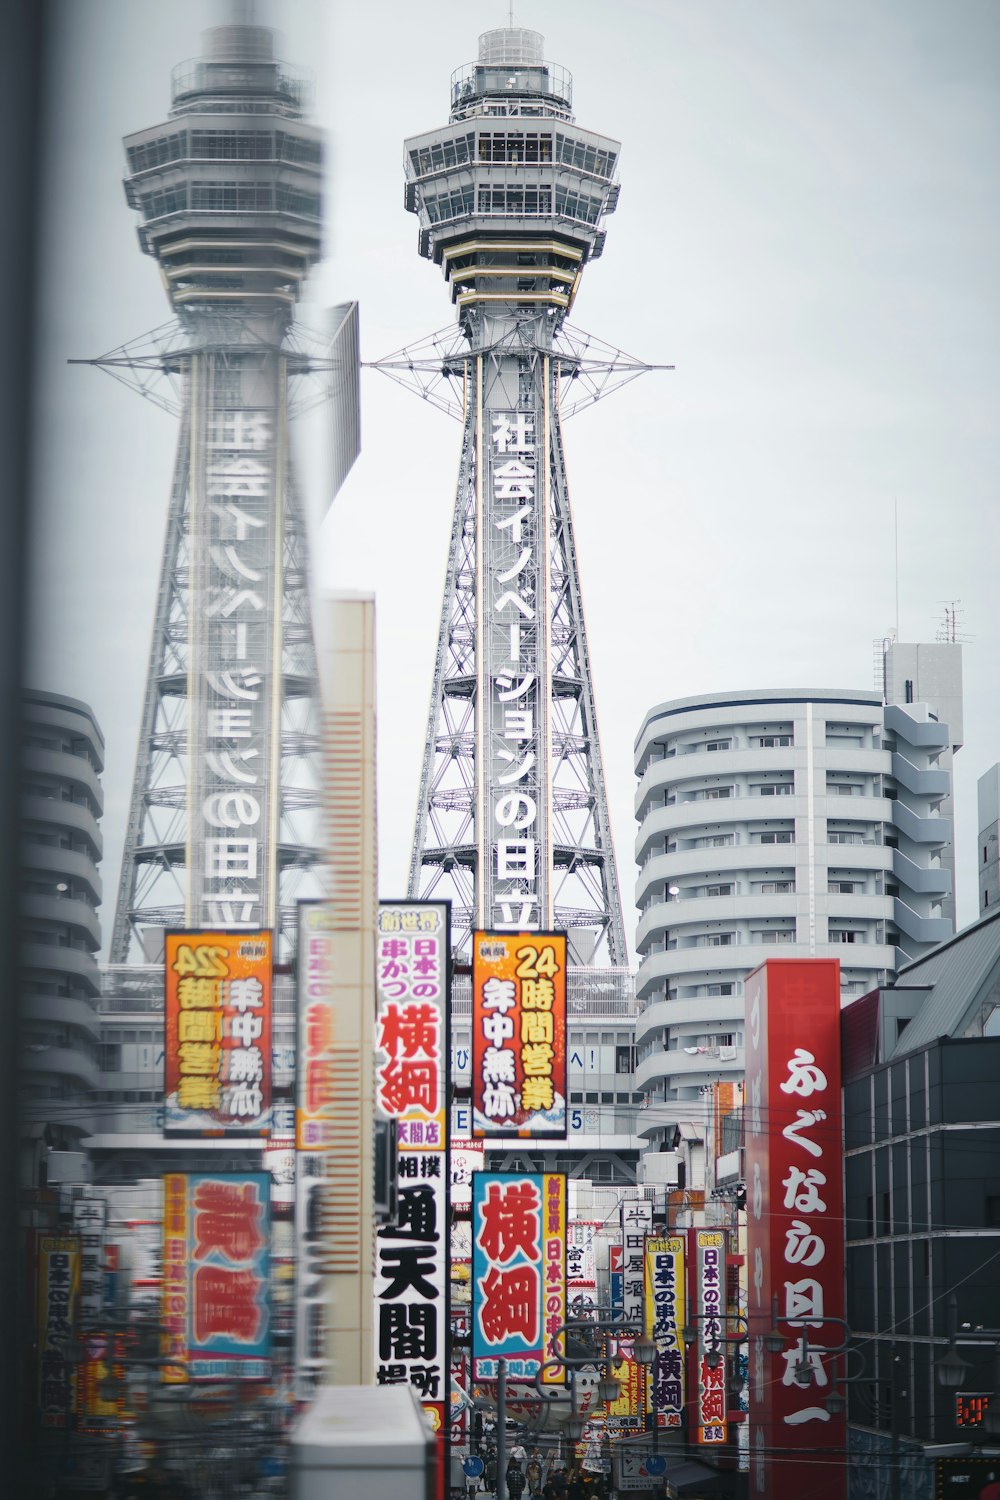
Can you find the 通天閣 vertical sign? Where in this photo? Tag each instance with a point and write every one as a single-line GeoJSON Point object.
{"type": "Point", "coordinates": [519, 1034]}
{"type": "Point", "coordinates": [795, 1224]}
{"type": "Point", "coordinates": [411, 1087]}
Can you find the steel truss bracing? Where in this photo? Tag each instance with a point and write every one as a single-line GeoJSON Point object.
{"type": "Point", "coordinates": [583, 894]}
{"type": "Point", "coordinates": [512, 822]}
{"type": "Point", "coordinates": [223, 559]}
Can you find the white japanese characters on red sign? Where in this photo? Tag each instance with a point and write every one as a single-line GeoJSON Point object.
{"type": "Point", "coordinates": [794, 1220]}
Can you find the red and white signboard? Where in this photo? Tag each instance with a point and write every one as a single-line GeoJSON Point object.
{"type": "Point", "coordinates": [795, 1225]}
{"type": "Point", "coordinates": [710, 1389]}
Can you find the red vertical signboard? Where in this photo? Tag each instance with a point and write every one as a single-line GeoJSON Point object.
{"type": "Point", "coordinates": [795, 1226]}
{"type": "Point", "coordinates": [709, 1263]}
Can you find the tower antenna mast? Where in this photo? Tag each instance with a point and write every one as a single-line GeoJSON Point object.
{"type": "Point", "coordinates": [512, 820]}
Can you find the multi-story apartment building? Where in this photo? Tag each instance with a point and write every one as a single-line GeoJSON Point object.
{"type": "Point", "coordinates": [61, 848]}
{"type": "Point", "coordinates": [776, 824]}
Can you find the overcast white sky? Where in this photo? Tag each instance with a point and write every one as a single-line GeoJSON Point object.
{"type": "Point", "coordinates": [809, 229]}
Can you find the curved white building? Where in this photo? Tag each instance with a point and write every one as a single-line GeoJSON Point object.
{"type": "Point", "coordinates": [60, 933]}
{"type": "Point", "coordinates": [777, 824]}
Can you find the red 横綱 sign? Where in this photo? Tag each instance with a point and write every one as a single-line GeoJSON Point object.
{"type": "Point", "coordinates": [795, 1226]}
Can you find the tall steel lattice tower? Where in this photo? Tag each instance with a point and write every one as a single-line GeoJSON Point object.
{"type": "Point", "coordinates": [512, 822]}
{"type": "Point", "coordinates": [221, 828]}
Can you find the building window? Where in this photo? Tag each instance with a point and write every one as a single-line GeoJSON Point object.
{"type": "Point", "coordinates": [774, 789]}
{"type": "Point", "coordinates": [773, 838]}
{"type": "Point", "coordinates": [908, 690]}
{"type": "Point", "coordinates": [771, 935]}
{"type": "Point", "coordinates": [843, 887]}
{"type": "Point", "coordinates": [716, 793]}
{"type": "Point", "coordinates": [718, 744]}
{"type": "Point", "coordinates": [719, 890]}
{"type": "Point", "coordinates": [775, 887]}
{"type": "Point", "coordinates": [717, 939]}
{"type": "Point", "coordinates": [773, 741]}
{"type": "Point", "coordinates": [845, 935]}
{"type": "Point", "coordinates": [714, 990]}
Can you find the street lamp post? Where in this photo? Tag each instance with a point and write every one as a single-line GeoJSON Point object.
{"type": "Point", "coordinates": [612, 1327]}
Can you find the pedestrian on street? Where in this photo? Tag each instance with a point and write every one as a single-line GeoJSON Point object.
{"type": "Point", "coordinates": [515, 1480]}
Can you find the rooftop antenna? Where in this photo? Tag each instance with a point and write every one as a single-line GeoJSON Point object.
{"type": "Point", "coordinates": [950, 629]}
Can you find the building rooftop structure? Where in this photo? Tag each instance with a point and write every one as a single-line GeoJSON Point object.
{"type": "Point", "coordinates": [952, 991]}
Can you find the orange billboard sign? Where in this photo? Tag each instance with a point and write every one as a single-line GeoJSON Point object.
{"type": "Point", "coordinates": [519, 1034]}
{"type": "Point", "coordinates": [217, 1049]}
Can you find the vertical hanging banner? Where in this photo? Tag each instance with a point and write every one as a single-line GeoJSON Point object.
{"type": "Point", "coordinates": [315, 1084]}
{"type": "Point", "coordinates": [58, 1293]}
{"type": "Point", "coordinates": [217, 1033]}
{"type": "Point", "coordinates": [514, 674]}
{"type": "Point", "coordinates": [518, 1273]}
{"type": "Point", "coordinates": [625, 1413]}
{"type": "Point", "coordinates": [412, 947]}
{"type": "Point", "coordinates": [710, 1292]}
{"type": "Point", "coordinates": [465, 1158]}
{"type": "Point", "coordinates": [234, 540]}
{"type": "Point", "coordinates": [665, 1313]}
{"type": "Point", "coordinates": [89, 1218]}
{"type": "Point", "coordinates": [795, 1223]}
{"type": "Point", "coordinates": [637, 1224]}
{"type": "Point", "coordinates": [581, 1262]}
{"type": "Point", "coordinates": [519, 1067]}
{"type": "Point", "coordinates": [615, 1276]}
{"type": "Point", "coordinates": [216, 1276]}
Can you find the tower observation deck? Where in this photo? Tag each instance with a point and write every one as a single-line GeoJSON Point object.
{"type": "Point", "coordinates": [512, 822]}
{"type": "Point", "coordinates": [220, 829]}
